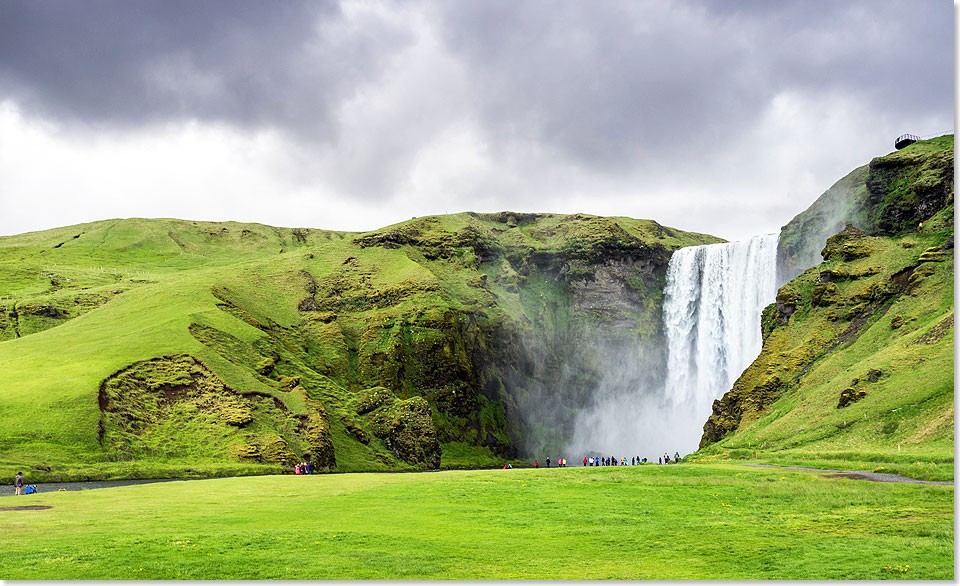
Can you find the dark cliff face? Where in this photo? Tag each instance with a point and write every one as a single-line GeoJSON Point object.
{"type": "Point", "coordinates": [898, 217]}
{"type": "Point", "coordinates": [581, 322]}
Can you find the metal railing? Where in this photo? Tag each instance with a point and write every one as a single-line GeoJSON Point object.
{"type": "Point", "coordinates": [909, 137]}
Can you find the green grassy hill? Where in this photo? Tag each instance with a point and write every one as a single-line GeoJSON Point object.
{"type": "Point", "coordinates": [142, 348]}
{"type": "Point", "coordinates": [857, 366]}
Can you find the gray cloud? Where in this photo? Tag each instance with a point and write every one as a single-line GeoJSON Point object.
{"type": "Point", "coordinates": [624, 84]}
{"type": "Point", "coordinates": [247, 63]}
{"type": "Point", "coordinates": [675, 110]}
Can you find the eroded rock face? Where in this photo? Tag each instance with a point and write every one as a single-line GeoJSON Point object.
{"type": "Point", "coordinates": [608, 291]}
{"type": "Point", "coordinates": [501, 331]}
{"type": "Point", "coordinates": [494, 377]}
{"type": "Point", "coordinates": [319, 437]}
{"type": "Point", "coordinates": [743, 404]}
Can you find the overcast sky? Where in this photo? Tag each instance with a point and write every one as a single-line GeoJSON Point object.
{"type": "Point", "coordinates": [716, 116]}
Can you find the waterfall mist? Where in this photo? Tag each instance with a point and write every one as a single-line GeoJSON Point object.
{"type": "Point", "coordinates": [657, 402]}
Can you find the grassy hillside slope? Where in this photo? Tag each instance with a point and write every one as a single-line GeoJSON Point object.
{"type": "Point", "coordinates": [167, 347]}
{"type": "Point", "coordinates": [857, 366]}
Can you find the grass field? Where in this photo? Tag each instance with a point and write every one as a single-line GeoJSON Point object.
{"type": "Point", "coordinates": [699, 521]}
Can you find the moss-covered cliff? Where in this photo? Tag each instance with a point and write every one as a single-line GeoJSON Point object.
{"type": "Point", "coordinates": [858, 350]}
{"type": "Point", "coordinates": [236, 347]}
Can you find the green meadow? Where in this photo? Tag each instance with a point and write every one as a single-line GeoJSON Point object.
{"type": "Point", "coordinates": [701, 521]}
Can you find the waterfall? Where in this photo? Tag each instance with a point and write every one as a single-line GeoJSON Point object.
{"type": "Point", "coordinates": [711, 316]}
{"type": "Point", "coordinates": [711, 320]}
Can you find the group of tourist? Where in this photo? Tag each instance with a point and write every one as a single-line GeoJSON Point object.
{"type": "Point", "coordinates": [305, 467]}
{"type": "Point", "coordinates": [612, 461]}
{"type": "Point", "coordinates": [22, 487]}
{"type": "Point", "coordinates": [561, 463]}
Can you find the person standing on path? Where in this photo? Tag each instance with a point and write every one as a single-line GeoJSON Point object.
{"type": "Point", "coordinates": [548, 461]}
{"type": "Point", "coordinates": [18, 483]}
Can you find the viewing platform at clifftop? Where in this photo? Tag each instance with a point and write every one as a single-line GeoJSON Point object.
{"type": "Point", "coordinates": [904, 140]}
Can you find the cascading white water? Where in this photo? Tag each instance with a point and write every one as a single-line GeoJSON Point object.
{"type": "Point", "coordinates": [711, 316]}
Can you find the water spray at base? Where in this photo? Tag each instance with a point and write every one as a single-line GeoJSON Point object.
{"type": "Point", "coordinates": [711, 322]}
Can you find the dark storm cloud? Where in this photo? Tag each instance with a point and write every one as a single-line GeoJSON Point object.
{"type": "Point", "coordinates": [248, 63]}
{"type": "Point", "coordinates": [623, 83]}
{"type": "Point", "coordinates": [607, 84]}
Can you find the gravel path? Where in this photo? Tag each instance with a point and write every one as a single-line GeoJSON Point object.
{"type": "Point", "coordinates": [858, 475]}
{"type": "Point", "coordinates": [89, 485]}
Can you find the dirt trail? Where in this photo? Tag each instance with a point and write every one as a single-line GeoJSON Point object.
{"type": "Point", "coordinates": [858, 475]}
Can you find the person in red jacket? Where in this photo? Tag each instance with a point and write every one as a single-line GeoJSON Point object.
{"type": "Point", "coordinates": [536, 463]}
